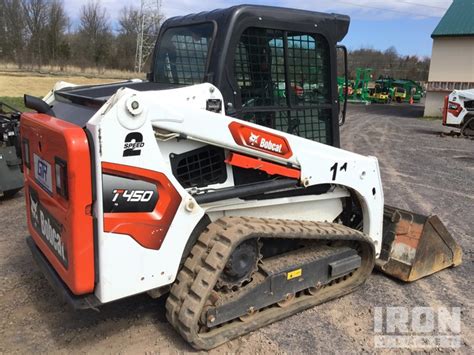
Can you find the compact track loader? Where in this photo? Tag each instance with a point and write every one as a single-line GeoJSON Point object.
{"type": "Point", "coordinates": [206, 182]}
{"type": "Point", "coordinates": [458, 112]}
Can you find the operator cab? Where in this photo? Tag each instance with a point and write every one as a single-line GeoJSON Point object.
{"type": "Point", "coordinates": [274, 66]}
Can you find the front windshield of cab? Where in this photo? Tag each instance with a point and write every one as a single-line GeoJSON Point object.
{"type": "Point", "coordinates": [182, 54]}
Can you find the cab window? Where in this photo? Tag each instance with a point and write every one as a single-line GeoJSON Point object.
{"type": "Point", "coordinates": [284, 81]}
{"type": "Point", "coordinates": [182, 54]}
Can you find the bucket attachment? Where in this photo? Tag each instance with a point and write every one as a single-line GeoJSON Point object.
{"type": "Point", "coordinates": [415, 246]}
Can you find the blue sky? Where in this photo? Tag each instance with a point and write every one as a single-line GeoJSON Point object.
{"type": "Point", "coordinates": [405, 24]}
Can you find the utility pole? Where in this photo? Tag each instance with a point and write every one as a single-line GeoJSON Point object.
{"type": "Point", "coordinates": [150, 18]}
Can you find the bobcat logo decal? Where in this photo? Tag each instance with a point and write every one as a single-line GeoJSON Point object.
{"type": "Point", "coordinates": [259, 139]}
{"type": "Point", "coordinates": [34, 210]}
{"type": "Point", "coordinates": [253, 139]}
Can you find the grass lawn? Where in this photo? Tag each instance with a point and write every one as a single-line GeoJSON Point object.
{"type": "Point", "coordinates": [17, 84]}
{"type": "Point", "coordinates": [16, 102]}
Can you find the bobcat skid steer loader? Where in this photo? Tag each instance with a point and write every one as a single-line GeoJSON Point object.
{"type": "Point", "coordinates": [458, 111]}
{"type": "Point", "coordinates": [206, 182]}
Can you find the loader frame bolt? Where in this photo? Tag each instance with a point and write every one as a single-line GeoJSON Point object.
{"type": "Point", "coordinates": [190, 205]}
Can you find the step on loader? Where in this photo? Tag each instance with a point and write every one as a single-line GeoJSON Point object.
{"type": "Point", "coordinates": [206, 184]}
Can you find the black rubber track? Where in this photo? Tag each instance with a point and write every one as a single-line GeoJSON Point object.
{"type": "Point", "coordinates": [190, 293]}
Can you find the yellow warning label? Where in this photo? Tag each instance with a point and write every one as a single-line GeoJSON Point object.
{"type": "Point", "coordinates": [294, 273]}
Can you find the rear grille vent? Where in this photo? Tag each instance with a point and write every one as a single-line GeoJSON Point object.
{"type": "Point", "coordinates": [469, 105]}
{"type": "Point", "coordinates": [200, 167]}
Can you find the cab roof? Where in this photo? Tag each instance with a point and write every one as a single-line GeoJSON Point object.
{"type": "Point", "coordinates": [231, 16]}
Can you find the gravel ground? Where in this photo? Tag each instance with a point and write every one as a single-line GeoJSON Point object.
{"type": "Point", "coordinates": [421, 171]}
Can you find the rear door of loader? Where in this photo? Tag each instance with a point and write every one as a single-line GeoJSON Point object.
{"type": "Point", "coordinates": [58, 191]}
{"type": "Point", "coordinates": [283, 81]}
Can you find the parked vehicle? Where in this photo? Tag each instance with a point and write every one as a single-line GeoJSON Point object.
{"type": "Point", "coordinates": [205, 183]}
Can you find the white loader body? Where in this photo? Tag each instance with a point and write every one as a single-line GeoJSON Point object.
{"type": "Point", "coordinates": [177, 120]}
{"type": "Point", "coordinates": [459, 108]}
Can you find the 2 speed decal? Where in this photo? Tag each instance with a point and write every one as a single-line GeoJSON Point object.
{"type": "Point", "coordinates": [133, 144]}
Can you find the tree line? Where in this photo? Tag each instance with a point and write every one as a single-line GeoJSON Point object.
{"type": "Point", "coordinates": [39, 32]}
{"type": "Point", "coordinates": [35, 33]}
{"type": "Point", "coordinates": [388, 63]}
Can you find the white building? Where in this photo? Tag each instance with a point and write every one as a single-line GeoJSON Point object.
{"type": "Point", "coordinates": [452, 59]}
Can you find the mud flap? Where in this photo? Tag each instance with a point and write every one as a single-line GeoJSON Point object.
{"type": "Point", "coordinates": [415, 246]}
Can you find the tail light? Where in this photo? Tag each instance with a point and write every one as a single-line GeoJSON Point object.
{"type": "Point", "coordinates": [26, 152]}
{"type": "Point", "coordinates": [454, 108]}
{"type": "Point", "coordinates": [445, 110]}
{"type": "Point", "coordinates": [60, 168]}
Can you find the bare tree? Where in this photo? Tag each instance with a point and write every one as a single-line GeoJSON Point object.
{"type": "Point", "coordinates": [130, 27]}
{"type": "Point", "coordinates": [57, 46]}
{"type": "Point", "coordinates": [36, 19]}
{"type": "Point", "coordinates": [94, 36]}
{"type": "Point", "coordinates": [3, 29]}
{"type": "Point", "coordinates": [13, 36]}
{"type": "Point", "coordinates": [129, 21]}
{"type": "Point", "coordinates": [126, 42]}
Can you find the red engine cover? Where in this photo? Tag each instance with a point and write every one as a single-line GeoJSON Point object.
{"type": "Point", "coordinates": [62, 227]}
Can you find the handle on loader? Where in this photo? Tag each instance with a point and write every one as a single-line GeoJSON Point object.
{"type": "Point", "coordinates": [346, 83]}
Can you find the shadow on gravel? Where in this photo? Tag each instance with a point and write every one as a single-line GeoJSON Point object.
{"type": "Point", "coordinates": [428, 132]}
{"type": "Point", "coordinates": [11, 196]}
{"type": "Point", "coordinates": [399, 110]}
{"type": "Point", "coordinates": [68, 327]}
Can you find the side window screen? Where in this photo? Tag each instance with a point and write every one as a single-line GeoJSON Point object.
{"type": "Point", "coordinates": [182, 54]}
{"type": "Point", "coordinates": [286, 75]}
{"type": "Point", "coordinates": [259, 67]}
{"type": "Point", "coordinates": [309, 69]}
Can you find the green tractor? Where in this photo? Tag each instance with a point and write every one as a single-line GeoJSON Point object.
{"type": "Point", "coordinates": [399, 94]}
{"type": "Point", "coordinates": [380, 94]}
{"type": "Point", "coordinates": [341, 88]}
{"type": "Point", "coordinates": [413, 90]}
{"type": "Point", "coordinates": [360, 89]}
{"type": "Point", "coordinates": [402, 90]}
